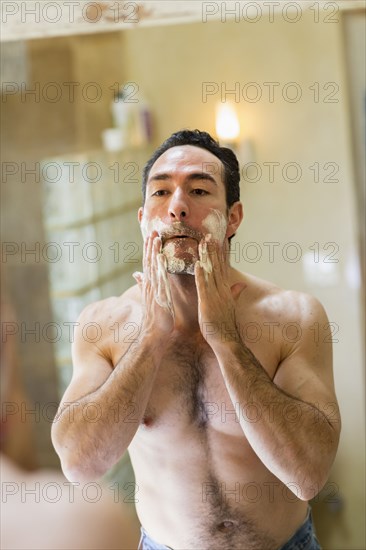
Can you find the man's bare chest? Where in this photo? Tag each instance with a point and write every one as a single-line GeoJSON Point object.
{"type": "Point", "coordinates": [190, 390]}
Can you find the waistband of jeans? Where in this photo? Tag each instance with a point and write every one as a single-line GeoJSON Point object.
{"type": "Point", "coordinates": [303, 531]}
{"type": "Point", "coordinates": [305, 528]}
{"type": "Point", "coordinates": [156, 545]}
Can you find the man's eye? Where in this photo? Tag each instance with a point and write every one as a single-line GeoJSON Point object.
{"type": "Point", "coordinates": [159, 193]}
{"type": "Point", "coordinates": [200, 192]}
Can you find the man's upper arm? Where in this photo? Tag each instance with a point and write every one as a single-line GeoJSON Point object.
{"type": "Point", "coordinates": [306, 371]}
{"type": "Point", "coordinates": [91, 367]}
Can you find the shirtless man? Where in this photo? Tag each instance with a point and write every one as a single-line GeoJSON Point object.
{"type": "Point", "coordinates": [223, 392]}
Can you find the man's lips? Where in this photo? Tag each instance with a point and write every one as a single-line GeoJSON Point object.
{"type": "Point", "coordinates": [179, 231]}
{"type": "Point", "coordinates": [181, 237]}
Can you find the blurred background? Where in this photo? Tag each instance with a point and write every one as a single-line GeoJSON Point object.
{"type": "Point", "coordinates": [88, 91]}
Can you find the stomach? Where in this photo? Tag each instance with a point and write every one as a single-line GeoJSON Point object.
{"type": "Point", "coordinates": [202, 488]}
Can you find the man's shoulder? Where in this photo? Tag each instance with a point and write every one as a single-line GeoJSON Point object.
{"type": "Point", "coordinates": [115, 307]}
{"type": "Point", "coordinates": [273, 301]}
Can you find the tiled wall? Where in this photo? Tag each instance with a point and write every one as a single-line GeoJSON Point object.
{"type": "Point", "coordinates": [90, 204]}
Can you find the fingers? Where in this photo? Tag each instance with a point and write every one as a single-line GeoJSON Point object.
{"type": "Point", "coordinates": [148, 253]}
{"type": "Point", "coordinates": [216, 261]}
{"type": "Point", "coordinates": [200, 276]}
{"type": "Point", "coordinates": [138, 276]}
{"type": "Point", "coordinates": [213, 255]}
{"type": "Point", "coordinates": [205, 261]}
{"type": "Point", "coordinates": [148, 279]}
{"type": "Point", "coordinates": [164, 292]}
{"type": "Point", "coordinates": [153, 264]}
{"type": "Point", "coordinates": [206, 269]}
{"type": "Point", "coordinates": [157, 286]}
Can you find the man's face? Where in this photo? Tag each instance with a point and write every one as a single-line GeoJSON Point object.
{"type": "Point", "coordinates": [185, 200]}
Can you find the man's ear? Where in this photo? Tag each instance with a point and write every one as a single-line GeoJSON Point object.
{"type": "Point", "coordinates": [139, 214]}
{"type": "Point", "coordinates": [235, 217]}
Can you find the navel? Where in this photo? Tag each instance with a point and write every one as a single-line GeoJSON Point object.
{"type": "Point", "coordinates": [226, 526]}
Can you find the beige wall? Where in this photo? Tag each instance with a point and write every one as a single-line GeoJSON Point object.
{"type": "Point", "coordinates": [170, 65]}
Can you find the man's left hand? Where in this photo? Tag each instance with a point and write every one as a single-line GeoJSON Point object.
{"type": "Point", "coordinates": [216, 298]}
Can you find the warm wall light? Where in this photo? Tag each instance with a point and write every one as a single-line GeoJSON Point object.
{"type": "Point", "coordinates": [228, 133]}
{"type": "Point", "coordinates": [227, 124]}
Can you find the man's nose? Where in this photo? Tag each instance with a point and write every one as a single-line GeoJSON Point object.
{"type": "Point", "coordinates": [178, 207]}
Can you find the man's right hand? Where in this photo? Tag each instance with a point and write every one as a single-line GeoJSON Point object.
{"type": "Point", "coordinates": [157, 305]}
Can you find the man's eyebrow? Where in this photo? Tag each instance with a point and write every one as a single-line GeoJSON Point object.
{"type": "Point", "coordinates": [163, 176]}
{"type": "Point", "coordinates": [202, 176]}
{"type": "Point", "coordinates": [159, 177]}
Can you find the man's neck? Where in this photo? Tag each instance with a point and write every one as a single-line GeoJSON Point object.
{"type": "Point", "coordinates": [185, 300]}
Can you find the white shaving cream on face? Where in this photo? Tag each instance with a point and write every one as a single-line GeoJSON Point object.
{"type": "Point", "coordinates": [181, 258]}
{"type": "Point", "coordinates": [148, 226]}
{"type": "Point", "coordinates": [176, 265]}
{"type": "Point", "coordinates": [216, 224]}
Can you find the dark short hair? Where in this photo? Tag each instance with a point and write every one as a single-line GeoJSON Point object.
{"type": "Point", "coordinates": [197, 138]}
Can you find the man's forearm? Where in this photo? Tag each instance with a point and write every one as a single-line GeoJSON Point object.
{"type": "Point", "coordinates": [90, 435]}
{"type": "Point", "coordinates": [293, 439]}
